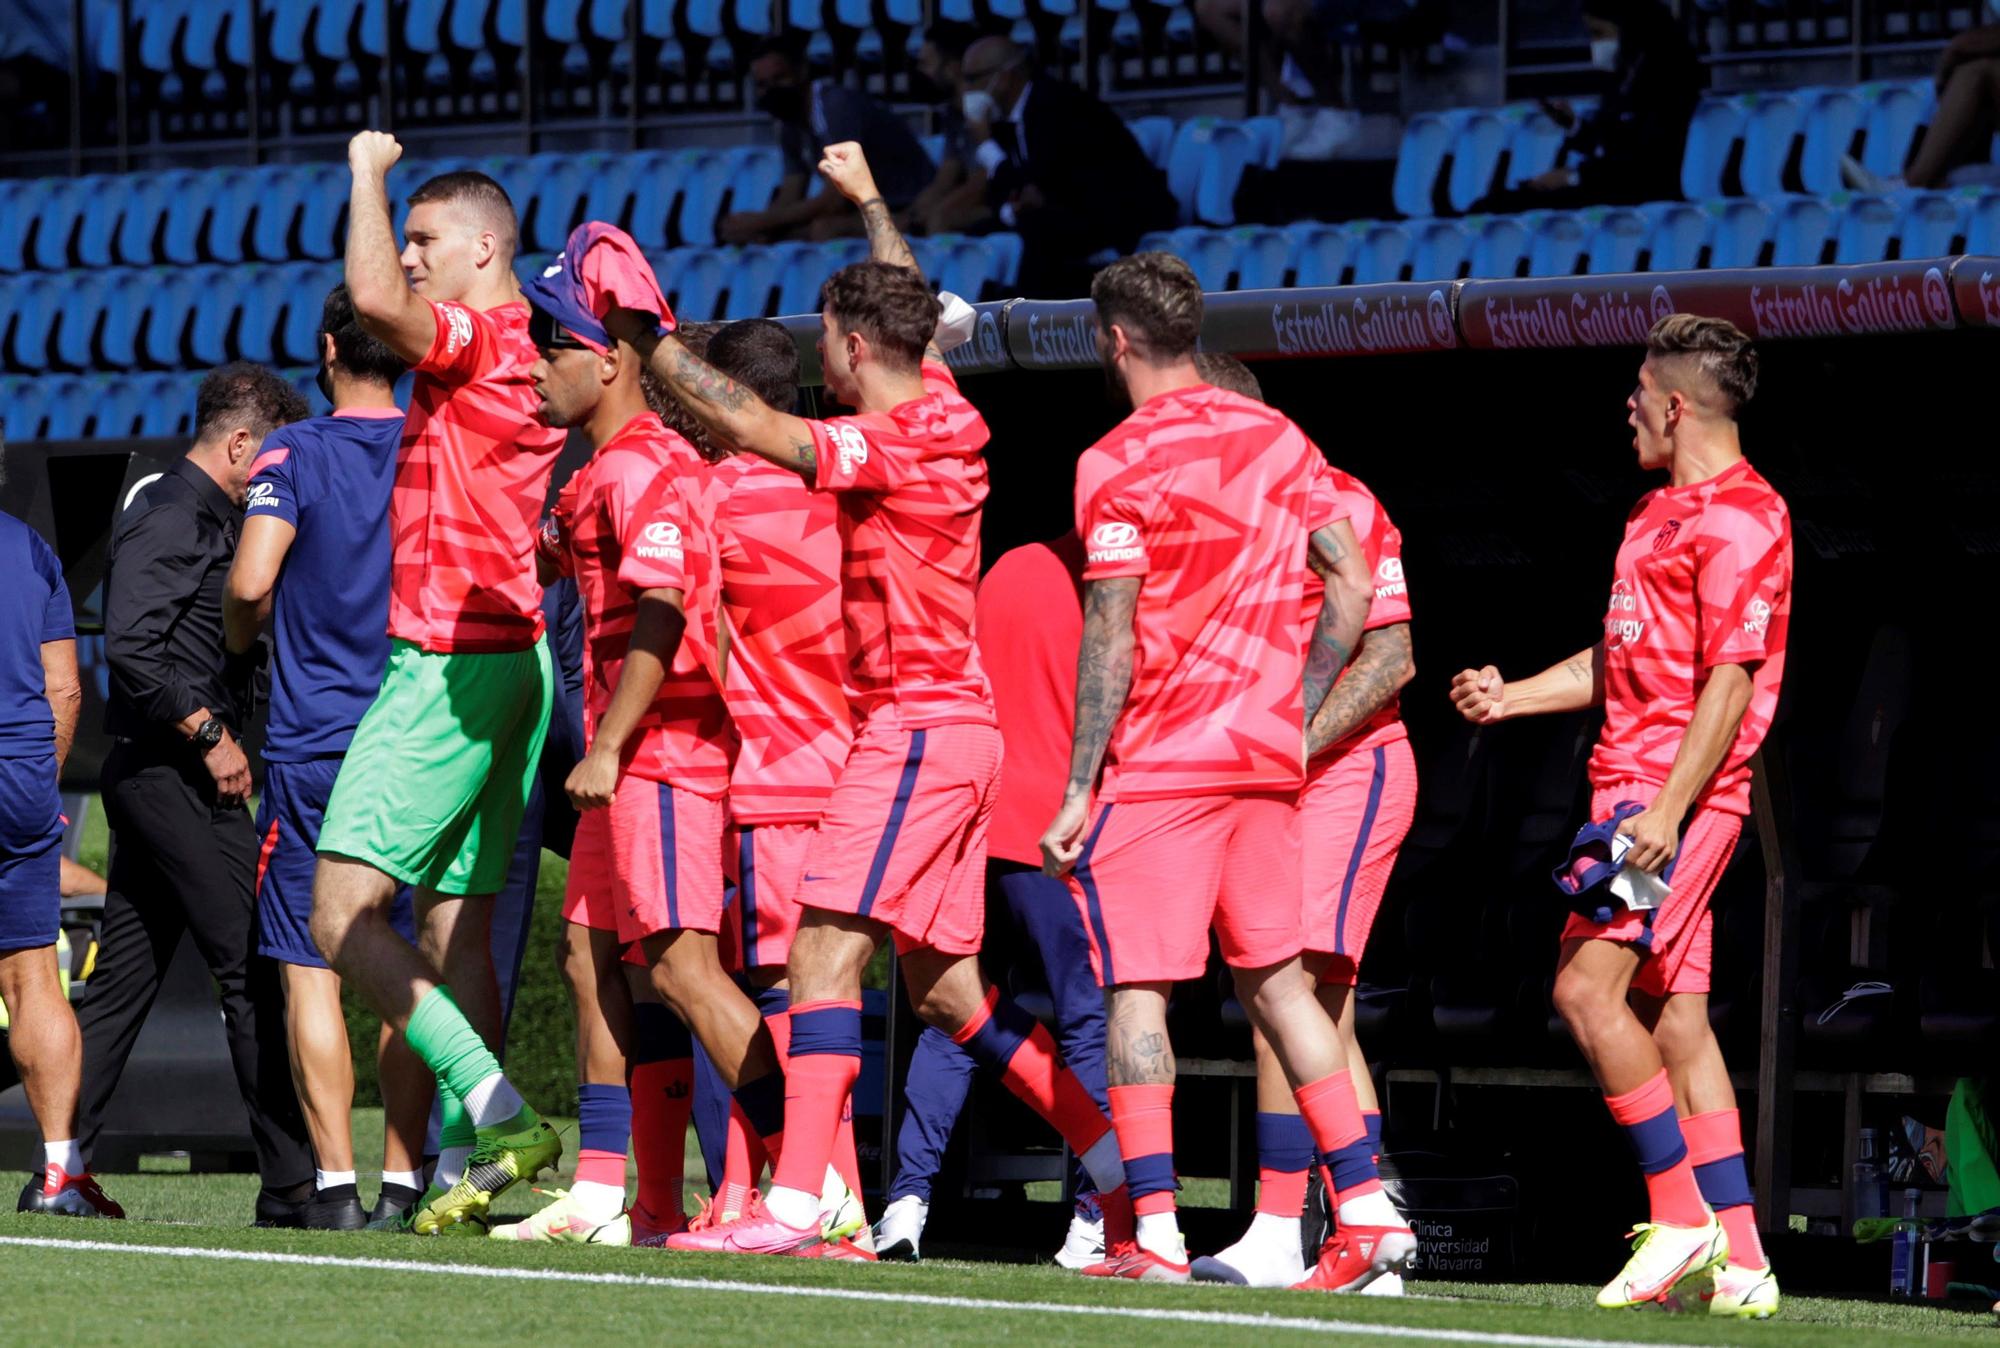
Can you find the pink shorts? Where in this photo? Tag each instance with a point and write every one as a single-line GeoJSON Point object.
{"type": "Point", "coordinates": [903, 839]}
{"type": "Point", "coordinates": [1353, 816]}
{"type": "Point", "coordinates": [649, 861]}
{"type": "Point", "coordinates": [763, 912]}
{"type": "Point", "coordinates": [1677, 939]}
{"type": "Point", "coordinates": [1155, 875]}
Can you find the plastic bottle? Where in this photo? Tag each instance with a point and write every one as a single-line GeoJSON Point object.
{"type": "Point", "coordinates": [1903, 1248]}
{"type": "Point", "coordinates": [1871, 1197]}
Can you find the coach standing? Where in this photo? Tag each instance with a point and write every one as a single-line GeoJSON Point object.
{"type": "Point", "coordinates": [184, 854]}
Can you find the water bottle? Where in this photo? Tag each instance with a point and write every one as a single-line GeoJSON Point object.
{"type": "Point", "coordinates": [1903, 1248]}
{"type": "Point", "coordinates": [1870, 1195]}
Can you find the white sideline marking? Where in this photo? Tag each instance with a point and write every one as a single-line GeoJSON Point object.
{"type": "Point", "coordinates": [1193, 1317]}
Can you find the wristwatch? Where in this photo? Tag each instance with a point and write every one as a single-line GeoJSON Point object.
{"type": "Point", "coordinates": [209, 734]}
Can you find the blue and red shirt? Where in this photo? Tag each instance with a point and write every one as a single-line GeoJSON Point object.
{"type": "Point", "coordinates": [330, 479]}
{"type": "Point", "coordinates": [34, 609]}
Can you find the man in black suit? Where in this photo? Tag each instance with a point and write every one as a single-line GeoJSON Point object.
{"type": "Point", "coordinates": [1061, 169]}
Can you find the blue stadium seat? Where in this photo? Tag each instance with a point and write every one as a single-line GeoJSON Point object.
{"type": "Point", "coordinates": [85, 296]}
{"type": "Point", "coordinates": [68, 408]}
{"type": "Point", "coordinates": [187, 196]}
{"type": "Point", "coordinates": [1155, 136]}
{"type": "Point", "coordinates": [656, 189]}
{"type": "Point", "coordinates": [158, 22]}
{"type": "Point", "coordinates": [234, 193]}
{"type": "Point", "coordinates": [1982, 224]}
{"type": "Point", "coordinates": [1557, 244]}
{"type": "Point", "coordinates": [116, 407]}
{"type": "Point", "coordinates": [465, 30]}
{"type": "Point", "coordinates": [201, 37]}
{"type": "Point", "coordinates": [168, 405]}
{"type": "Point", "coordinates": [266, 295]}
{"type": "Point", "coordinates": [1262, 255]}
{"type": "Point", "coordinates": [1716, 130]}
{"type": "Point", "coordinates": [1210, 252]}
{"type": "Point", "coordinates": [1617, 237]}
{"type": "Point", "coordinates": [1771, 124]}
{"type": "Point", "coordinates": [1186, 158]}
{"type": "Point", "coordinates": [1475, 157]}
{"type": "Point", "coordinates": [1865, 226]}
{"type": "Point", "coordinates": [964, 265]}
{"type": "Point", "coordinates": [1319, 253]}
{"type": "Point", "coordinates": [1533, 144]}
{"type": "Point", "coordinates": [1499, 245]}
{"type": "Point", "coordinates": [60, 212]}
{"type": "Point", "coordinates": [221, 291]}
{"type": "Point", "coordinates": [161, 303]}
{"type": "Point", "coordinates": [1930, 223]}
{"type": "Point", "coordinates": [753, 277]}
{"type": "Point", "coordinates": [560, 183]}
{"type": "Point", "coordinates": [22, 201]}
{"type": "Point", "coordinates": [302, 300]}
{"type": "Point", "coordinates": [1215, 153]}
{"type": "Point", "coordinates": [1267, 133]}
{"type": "Point", "coordinates": [1831, 119]}
{"type": "Point", "coordinates": [1006, 250]}
{"type": "Point", "coordinates": [746, 176]}
{"type": "Point", "coordinates": [1427, 139]}
{"type": "Point", "coordinates": [1439, 250]}
{"type": "Point", "coordinates": [32, 300]}
{"type": "Point", "coordinates": [1895, 113]}
{"type": "Point", "coordinates": [25, 401]}
{"type": "Point", "coordinates": [607, 19]}
{"type": "Point", "coordinates": [613, 183]}
{"type": "Point", "coordinates": [1738, 230]}
{"type": "Point", "coordinates": [1676, 232]}
{"type": "Point", "coordinates": [1799, 231]}
{"type": "Point", "coordinates": [1381, 249]}
{"type": "Point", "coordinates": [807, 268]}
{"type": "Point", "coordinates": [290, 26]}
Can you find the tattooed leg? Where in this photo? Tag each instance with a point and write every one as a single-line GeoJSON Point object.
{"type": "Point", "coordinates": [1136, 1049]}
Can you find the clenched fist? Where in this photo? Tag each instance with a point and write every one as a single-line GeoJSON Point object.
{"type": "Point", "coordinates": [1480, 695]}
{"type": "Point", "coordinates": [846, 167]}
{"type": "Point", "coordinates": [373, 152]}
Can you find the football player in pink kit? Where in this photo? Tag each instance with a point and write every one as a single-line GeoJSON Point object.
{"type": "Point", "coordinates": [1205, 517]}
{"type": "Point", "coordinates": [1359, 801]}
{"type": "Point", "coordinates": [647, 863]}
{"type": "Point", "coordinates": [1688, 672]}
{"type": "Point", "coordinates": [901, 847]}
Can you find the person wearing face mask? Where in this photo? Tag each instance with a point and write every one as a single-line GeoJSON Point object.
{"type": "Point", "coordinates": [1062, 168]}
{"type": "Point", "coordinates": [1629, 150]}
{"type": "Point", "coordinates": [1956, 150]}
{"type": "Point", "coordinates": [810, 114]}
{"type": "Point", "coordinates": [955, 200]}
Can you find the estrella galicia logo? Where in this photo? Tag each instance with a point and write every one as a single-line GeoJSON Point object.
{"type": "Point", "coordinates": [1440, 319]}
{"type": "Point", "coordinates": [1936, 297]}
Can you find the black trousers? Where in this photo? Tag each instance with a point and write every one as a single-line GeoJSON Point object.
{"type": "Point", "coordinates": [182, 863]}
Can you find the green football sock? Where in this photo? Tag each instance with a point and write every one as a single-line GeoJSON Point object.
{"type": "Point", "coordinates": [445, 1039]}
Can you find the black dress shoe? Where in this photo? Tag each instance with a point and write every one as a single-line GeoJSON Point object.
{"type": "Point", "coordinates": [335, 1209]}
{"type": "Point", "coordinates": [280, 1213]}
{"type": "Point", "coordinates": [393, 1207]}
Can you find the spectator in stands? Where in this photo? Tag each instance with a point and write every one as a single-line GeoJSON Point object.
{"type": "Point", "coordinates": [955, 200]}
{"type": "Point", "coordinates": [1061, 168]}
{"type": "Point", "coordinates": [1629, 150]}
{"type": "Point", "coordinates": [811, 114]}
{"type": "Point", "coordinates": [183, 851]}
{"type": "Point", "coordinates": [1956, 150]}
{"type": "Point", "coordinates": [1299, 62]}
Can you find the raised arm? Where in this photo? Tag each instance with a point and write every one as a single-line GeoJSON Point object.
{"type": "Point", "coordinates": [726, 409]}
{"type": "Point", "coordinates": [1346, 591]}
{"type": "Point", "coordinates": [1380, 670]}
{"type": "Point", "coordinates": [383, 300]}
{"type": "Point", "coordinates": [1103, 680]}
{"type": "Point", "coordinates": [1483, 697]}
{"type": "Point", "coordinates": [1718, 712]}
{"type": "Point", "coordinates": [253, 575]}
{"type": "Point", "coordinates": [846, 167]}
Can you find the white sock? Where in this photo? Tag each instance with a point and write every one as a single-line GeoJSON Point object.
{"type": "Point", "coordinates": [332, 1179]}
{"type": "Point", "coordinates": [1160, 1232]}
{"type": "Point", "coordinates": [1369, 1210]}
{"type": "Point", "coordinates": [601, 1201]}
{"type": "Point", "coordinates": [67, 1153]}
{"type": "Point", "coordinates": [450, 1166]}
{"type": "Point", "coordinates": [1107, 1170]}
{"type": "Point", "coordinates": [493, 1101]}
{"type": "Point", "coordinates": [793, 1207]}
{"type": "Point", "coordinates": [409, 1179]}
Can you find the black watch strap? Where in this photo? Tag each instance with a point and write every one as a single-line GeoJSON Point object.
{"type": "Point", "coordinates": [209, 734]}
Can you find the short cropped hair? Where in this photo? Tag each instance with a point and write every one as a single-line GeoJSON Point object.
{"type": "Point", "coordinates": [1156, 299]}
{"type": "Point", "coordinates": [356, 351]}
{"type": "Point", "coordinates": [248, 395]}
{"type": "Point", "coordinates": [889, 305]}
{"type": "Point", "coordinates": [760, 355]}
{"type": "Point", "coordinates": [695, 337]}
{"type": "Point", "coordinates": [480, 194]}
{"type": "Point", "coordinates": [1227, 372]}
{"type": "Point", "coordinates": [1719, 349]}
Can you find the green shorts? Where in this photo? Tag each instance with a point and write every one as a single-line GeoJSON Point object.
{"type": "Point", "coordinates": [437, 778]}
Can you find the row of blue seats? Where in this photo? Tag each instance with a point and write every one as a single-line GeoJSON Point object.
{"type": "Point", "coordinates": [1450, 160]}
{"type": "Point", "coordinates": [1664, 236]}
{"type": "Point", "coordinates": [167, 317]}
{"type": "Point", "coordinates": [287, 212]}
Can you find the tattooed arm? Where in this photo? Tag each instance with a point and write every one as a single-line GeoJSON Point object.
{"type": "Point", "coordinates": [1483, 697]}
{"type": "Point", "coordinates": [1381, 668]}
{"type": "Point", "coordinates": [731, 413]}
{"type": "Point", "coordinates": [1103, 679]}
{"type": "Point", "coordinates": [1348, 589]}
{"type": "Point", "coordinates": [846, 167]}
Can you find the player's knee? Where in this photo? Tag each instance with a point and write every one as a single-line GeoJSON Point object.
{"type": "Point", "coordinates": [573, 957]}
{"type": "Point", "coordinates": [1683, 1032]}
{"type": "Point", "coordinates": [1582, 999]}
